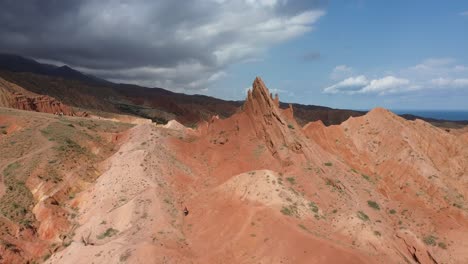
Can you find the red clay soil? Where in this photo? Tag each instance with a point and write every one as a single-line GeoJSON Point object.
{"type": "Point", "coordinates": [261, 189]}
{"type": "Point", "coordinates": [414, 173]}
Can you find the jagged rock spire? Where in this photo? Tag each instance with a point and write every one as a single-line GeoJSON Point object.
{"type": "Point", "coordinates": [269, 122]}
{"type": "Point", "coordinates": [260, 102]}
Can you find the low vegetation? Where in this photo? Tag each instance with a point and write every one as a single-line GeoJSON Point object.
{"type": "Point", "coordinates": [442, 245]}
{"type": "Point", "coordinates": [329, 164]}
{"type": "Point", "coordinates": [108, 233]}
{"type": "Point", "coordinates": [17, 202]}
{"type": "Point", "coordinates": [290, 210]}
{"type": "Point", "coordinates": [303, 227]}
{"type": "Point", "coordinates": [373, 204]}
{"type": "Point", "coordinates": [361, 215]}
{"type": "Point", "coordinates": [430, 240]}
{"type": "Point", "coordinates": [125, 256]}
{"type": "Point", "coordinates": [367, 178]}
{"type": "Point", "coordinates": [313, 207]}
{"type": "Point", "coordinates": [291, 180]}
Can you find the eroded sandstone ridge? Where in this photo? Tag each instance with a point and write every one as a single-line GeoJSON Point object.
{"type": "Point", "coordinates": [14, 96]}
{"type": "Point", "coordinates": [42, 103]}
{"type": "Point", "coordinates": [258, 188]}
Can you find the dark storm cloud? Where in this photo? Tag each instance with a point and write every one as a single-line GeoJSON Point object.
{"type": "Point", "coordinates": [171, 43]}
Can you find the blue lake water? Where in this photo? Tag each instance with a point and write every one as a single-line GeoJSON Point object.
{"type": "Point", "coordinates": [452, 115]}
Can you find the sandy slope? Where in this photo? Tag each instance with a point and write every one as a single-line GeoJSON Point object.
{"type": "Point", "coordinates": [238, 221]}
{"type": "Point", "coordinates": [131, 199]}
{"type": "Point", "coordinates": [377, 189]}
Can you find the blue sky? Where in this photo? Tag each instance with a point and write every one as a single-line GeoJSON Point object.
{"type": "Point", "coordinates": [354, 54]}
{"type": "Point", "coordinates": [416, 50]}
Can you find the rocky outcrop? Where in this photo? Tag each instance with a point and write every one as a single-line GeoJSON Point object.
{"type": "Point", "coordinates": [273, 126]}
{"type": "Point", "coordinates": [42, 103]}
{"type": "Point", "coordinates": [415, 249]}
{"type": "Point", "coordinates": [14, 96]}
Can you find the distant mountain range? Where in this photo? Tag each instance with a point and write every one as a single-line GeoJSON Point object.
{"type": "Point", "coordinates": [93, 94]}
{"type": "Point", "coordinates": [15, 63]}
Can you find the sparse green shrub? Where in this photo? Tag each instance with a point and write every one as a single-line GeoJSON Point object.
{"type": "Point", "coordinates": [291, 180]}
{"type": "Point", "coordinates": [361, 215]}
{"type": "Point", "coordinates": [286, 211]}
{"type": "Point", "coordinates": [377, 233]}
{"type": "Point", "coordinates": [290, 210]}
{"type": "Point", "coordinates": [373, 205]}
{"type": "Point", "coordinates": [108, 233]}
{"type": "Point", "coordinates": [303, 227]}
{"type": "Point", "coordinates": [290, 126]}
{"type": "Point", "coordinates": [313, 207]}
{"type": "Point", "coordinates": [430, 240]}
{"type": "Point", "coordinates": [280, 181]}
{"type": "Point", "coordinates": [125, 256]}
{"type": "Point", "coordinates": [366, 177]}
{"type": "Point", "coordinates": [442, 245]}
{"type": "Point", "coordinates": [392, 211]}
{"type": "Point", "coordinates": [329, 164]}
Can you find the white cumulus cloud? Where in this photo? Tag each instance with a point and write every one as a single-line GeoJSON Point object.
{"type": "Point", "coordinates": [430, 75]}
{"type": "Point", "coordinates": [388, 84]}
{"type": "Point", "coordinates": [362, 85]}
{"type": "Point", "coordinates": [349, 85]}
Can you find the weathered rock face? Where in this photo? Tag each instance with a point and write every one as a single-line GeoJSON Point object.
{"type": "Point", "coordinates": [414, 165]}
{"type": "Point", "coordinates": [273, 126]}
{"type": "Point", "coordinates": [41, 103]}
{"type": "Point", "coordinates": [14, 96]}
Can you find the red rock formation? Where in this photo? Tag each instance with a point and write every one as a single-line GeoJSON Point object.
{"type": "Point", "coordinates": [271, 124]}
{"type": "Point", "coordinates": [412, 170]}
{"type": "Point", "coordinates": [14, 96]}
{"type": "Point", "coordinates": [41, 103]}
